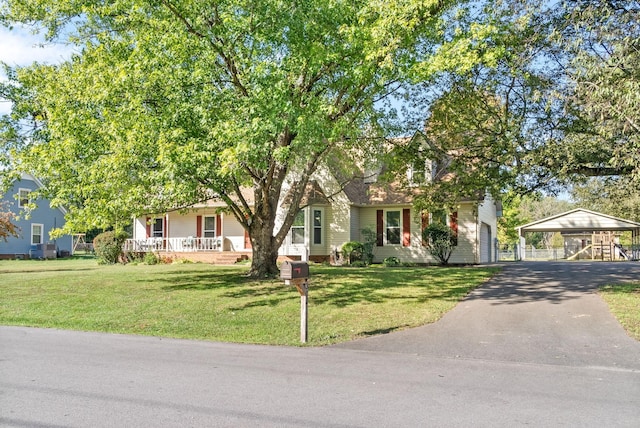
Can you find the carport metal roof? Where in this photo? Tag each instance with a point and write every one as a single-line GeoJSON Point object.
{"type": "Point", "coordinates": [580, 220]}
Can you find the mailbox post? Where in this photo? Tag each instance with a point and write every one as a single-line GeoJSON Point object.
{"type": "Point", "coordinates": [297, 273]}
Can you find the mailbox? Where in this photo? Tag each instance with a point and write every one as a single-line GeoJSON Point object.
{"type": "Point", "coordinates": [294, 270]}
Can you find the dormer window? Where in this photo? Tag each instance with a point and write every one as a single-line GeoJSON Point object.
{"type": "Point", "coordinates": [420, 171]}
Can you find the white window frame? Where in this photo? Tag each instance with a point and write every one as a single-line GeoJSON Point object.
{"type": "Point", "coordinates": [298, 227]}
{"type": "Point", "coordinates": [20, 198]}
{"type": "Point", "coordinates": [314, 227]}
{"type": "Point", "coordinates": [386, 227]}
{"type": "Point", "coordinates": [208, 233]}
{"type": "Point", "coordinates": [41, 226]}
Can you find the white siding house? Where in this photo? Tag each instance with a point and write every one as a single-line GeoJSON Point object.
{"type": "Point", "coordinates": [324, 224]}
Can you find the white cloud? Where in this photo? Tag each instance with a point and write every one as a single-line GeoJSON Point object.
{"type": "Point", "coordinates": [19, 47]}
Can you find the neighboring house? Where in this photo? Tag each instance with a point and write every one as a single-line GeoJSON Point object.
{"type": "Point", "coordinates": [332, 215]}
{"type": "Point", "coordinates": [33, 240]}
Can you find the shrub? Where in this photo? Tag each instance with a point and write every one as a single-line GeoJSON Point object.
{"type": "Point", "coordinates": [151, 258]}
{"type": "Point", "coordinates": [353, 251]}
{"type": "Point", "coordinates": [108, 246]}
{"type": "Point", "coordinates": [368, 244]}
{"type": "Point", "coordinates": [391, 261]}
{"type": "Point", "coordinates": [132, 257]}
{"type": "Point", "coordinates": [440, 241]}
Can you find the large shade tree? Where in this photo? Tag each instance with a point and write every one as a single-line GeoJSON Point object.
{"type": "Point", "coordinates": [559, 106]}
{"type": "Point", "coordinates": [171, 102]}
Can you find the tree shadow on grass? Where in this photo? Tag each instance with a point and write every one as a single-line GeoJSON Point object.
{"type": "Point", "coordinates": [209, 280]}
{"type": "Point", "coordinates": [269, 294]}
{"type": "Point", "coordinates": [335, 287]}
{"type": "Point", "coordinates": [47, 270]}
{"type": "Point", "coordinates": [383, 285]}
{"type": "Point", "coordinates": [230, 285]}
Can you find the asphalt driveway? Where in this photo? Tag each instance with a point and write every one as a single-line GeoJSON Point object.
{"type": "Point", "coordinates": [532, 312]}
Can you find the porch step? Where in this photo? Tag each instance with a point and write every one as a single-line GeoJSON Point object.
{"type": "Point", "coordinates": [213, 257]}
{"type": "Point", "coordinates": [227, 259]}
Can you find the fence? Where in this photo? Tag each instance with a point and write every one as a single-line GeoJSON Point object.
{"type": "Point", "coordinates": [173, 244]}
{"type": "Point", "coordinates": [530, 253]}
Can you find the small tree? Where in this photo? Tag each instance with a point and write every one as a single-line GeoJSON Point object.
{"type": "Point", "coordinates": [108, 246]}
{"type": "Point", "coordinates": [440, 241]}
{"type": "Point", "coordinates": [7, 228]}
{"type": "Point", "coordinates": [353, 251]}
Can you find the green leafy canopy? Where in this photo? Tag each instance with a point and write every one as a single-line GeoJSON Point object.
{"type": "Point", "coordinates": [172, 102]}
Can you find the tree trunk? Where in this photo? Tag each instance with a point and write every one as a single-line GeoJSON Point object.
{"type": "Point", "coordinates": [263, 264]}
{"type": "Point", "coordinates": [265, 248]}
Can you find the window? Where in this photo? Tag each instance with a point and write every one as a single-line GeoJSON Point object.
{"type": "Point", "coordinates": [393, 231]}
{"type": "Point", "coordinates": [23, 197]}
{"type": "Point", "coordinates": [417, 171]}
{"type": "Point", "coordinates": [36, 233]}
{"type": "Point", "coordinates": [297, 229]}
{"type": "Point", "coordinates": [209, 230]}
{"type": "Point", "coordinates": [439, 217]}
{"type": "Point", "coordinates": [158, 228]}
{"type": "Point", "coordinates": [317, 226]}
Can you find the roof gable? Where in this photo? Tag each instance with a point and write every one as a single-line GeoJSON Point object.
{"type": "Point", "coordinates": [579, 219]}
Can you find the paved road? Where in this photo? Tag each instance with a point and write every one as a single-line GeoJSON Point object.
{"type": "Point", "coordinates": [535, 346]}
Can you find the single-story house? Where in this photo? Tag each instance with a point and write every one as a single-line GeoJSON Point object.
{"type": "Point", "coordinates": [34, 240]}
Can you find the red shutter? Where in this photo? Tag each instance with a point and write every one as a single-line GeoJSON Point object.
{"type": "Point", "coordinates": [148, 227]}
{"type": "Point", "coordinates": [454, 226]}
{"type": "Point", "coordinates": [406, 227]}
{"type": "Point", "coordinates": [425, 224]}
{"type": "Point", "coordinates": [199, 226]}
{"type": "Point", "coordinates": [453, 220]}
{"type": "Point", "coordinates": [379, 228]}
{"type": "Point", "coordinates": [218, 225]}
{"type": "Point", "coordinates": [165, 231]}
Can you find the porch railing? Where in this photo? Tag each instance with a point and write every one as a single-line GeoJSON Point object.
{"type": "Point", "coordinates": [185, 244]}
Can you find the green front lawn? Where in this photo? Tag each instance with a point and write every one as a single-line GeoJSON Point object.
{"type": "Point", "coordinates": [201, 301]}
{"type": "Point", "coordinates": [624, 303]}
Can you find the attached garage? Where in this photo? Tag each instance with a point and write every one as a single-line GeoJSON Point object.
{"type": "Point", "coordinates": [485, 243]}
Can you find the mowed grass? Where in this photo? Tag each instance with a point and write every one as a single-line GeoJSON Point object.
{"type": "Point", "coordinates": [624, 303]}
{"type": "Point", "coordinates": [201, 301]}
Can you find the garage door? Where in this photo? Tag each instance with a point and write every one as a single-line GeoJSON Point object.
{"type": "Point", "coordinates": [485, 243]}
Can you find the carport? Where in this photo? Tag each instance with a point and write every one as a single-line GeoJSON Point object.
{"type": "Point", "coordinates": [583, 221]}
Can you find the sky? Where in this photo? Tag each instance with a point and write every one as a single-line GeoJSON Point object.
{"type": "Point", "coordinates": [19, 47]}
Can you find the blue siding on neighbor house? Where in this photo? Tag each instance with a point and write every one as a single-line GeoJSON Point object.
{"type": "Point", "coordinates": [48, 217]}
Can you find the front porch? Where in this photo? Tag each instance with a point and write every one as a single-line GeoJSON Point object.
{"type": "Point", "coordinates": [203, 250]}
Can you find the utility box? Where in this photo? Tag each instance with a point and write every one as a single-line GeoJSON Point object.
{"type": "Point", "coordinates": [294, 270]}
{"type": "Point", "coordinates": [49, 251]}
{"type": "Point", "coordinates": [43, 251]}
